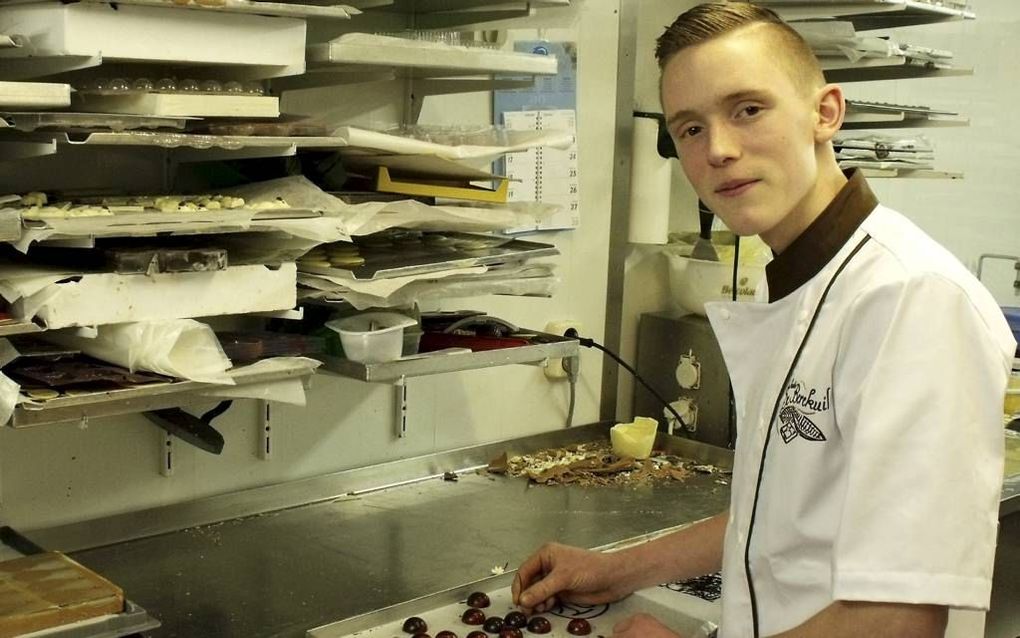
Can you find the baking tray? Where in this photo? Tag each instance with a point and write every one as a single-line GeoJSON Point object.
{"type": "Point", "coordinates": [690, 615]}
{"type": "Point", "coordinates": [133, 620]}
{"type": "Point", "coordinates": [401, 260]}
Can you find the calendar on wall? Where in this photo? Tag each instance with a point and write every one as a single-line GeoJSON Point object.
{"type": "Point", "coordinates": [547, 175]}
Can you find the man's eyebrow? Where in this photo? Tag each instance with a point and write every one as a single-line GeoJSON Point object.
{"type": "Point", "coordinates": [728, 99]}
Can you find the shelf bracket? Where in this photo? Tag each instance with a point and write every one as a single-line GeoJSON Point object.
{"type": "Point", "coordinates": [265, 451]}
{"type": "Point", "coordinates": [400, 388]}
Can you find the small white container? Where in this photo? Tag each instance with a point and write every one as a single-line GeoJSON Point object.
{"type": "Point", "coordinates": [372, 337]}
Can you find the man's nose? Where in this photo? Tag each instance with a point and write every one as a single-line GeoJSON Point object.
{"type": "Point", "coordinates": [723, 146]}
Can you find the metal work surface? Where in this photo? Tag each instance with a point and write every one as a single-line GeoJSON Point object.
{"type": "Point", "coordinates": [282, 573]}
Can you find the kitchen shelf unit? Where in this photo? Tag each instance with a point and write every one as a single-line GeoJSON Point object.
{"type": "Point", "coordinates": [555, 347]}
{"type": "Point", "coordinates": [82, 408]}
{"type": "Point", "coordinates": [867, 15]}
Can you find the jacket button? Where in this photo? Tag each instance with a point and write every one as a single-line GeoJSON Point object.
{"type": "Point", "coordinates": [724, 313]}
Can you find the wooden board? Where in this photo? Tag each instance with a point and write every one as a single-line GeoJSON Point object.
{"type": "Point", "coordinates": [49, 590]}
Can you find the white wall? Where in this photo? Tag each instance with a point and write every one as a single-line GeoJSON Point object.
{"type": "Point", "coordinates": [60, 473]}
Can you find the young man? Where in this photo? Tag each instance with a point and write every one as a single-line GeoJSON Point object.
{"type": "Point", "coordinates": [868, 379]}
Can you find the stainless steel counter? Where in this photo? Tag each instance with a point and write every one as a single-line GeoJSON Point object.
{"type": "Point", "coordinates": [281, 573]}
{"type": "Point", "coordinates": [288, 558]}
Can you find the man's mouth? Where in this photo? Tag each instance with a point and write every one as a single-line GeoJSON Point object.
{"type": "Point", "coordinates": [735, 187]}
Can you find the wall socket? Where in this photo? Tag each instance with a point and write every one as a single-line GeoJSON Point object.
{"type": "Point", "coordinates": [554, 368]}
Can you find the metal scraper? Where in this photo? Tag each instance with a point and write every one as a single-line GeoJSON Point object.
{"type": "Point", "coordinates": [703, 248]}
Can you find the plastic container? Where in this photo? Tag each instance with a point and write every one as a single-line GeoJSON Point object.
{"type": "Point", "coordinates": [372, 337]}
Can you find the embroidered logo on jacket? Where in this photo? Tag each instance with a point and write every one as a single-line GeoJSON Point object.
{"type": "Point", "coordinates": [799, 405]}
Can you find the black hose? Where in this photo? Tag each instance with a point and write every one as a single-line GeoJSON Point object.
{"type": "Point", "coordinates": [591, 343]}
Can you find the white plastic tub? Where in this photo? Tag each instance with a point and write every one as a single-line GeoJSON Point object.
{"type": "Point", "coordinates": [372, 337]}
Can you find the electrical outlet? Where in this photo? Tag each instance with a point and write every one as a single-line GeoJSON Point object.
{"type": "Point", "coordinates": [554, 367]}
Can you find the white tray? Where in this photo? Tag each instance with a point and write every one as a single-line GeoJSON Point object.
{"type": "Point", "coordinates": [688, 614]}
{"type": "Point", "coordinates": [89, 34]}
{"type": "Point", "coordinates": [34, 95]}
{"type": "Point", "coordinates": [181, 104]}
{"type": "Point", "coordinates": [378, 50]}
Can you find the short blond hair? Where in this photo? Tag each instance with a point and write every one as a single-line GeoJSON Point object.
{"type": "Point", "coordinates": [714, 19]}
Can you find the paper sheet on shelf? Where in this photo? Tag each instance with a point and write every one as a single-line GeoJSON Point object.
{"type": "Point", "coordinates": [289, 390]}
{"type": "Point", "coordinates": [535, 280]}
{"type": "Point", "coordinates": [382, 287]}
{"type": "Point", "coordinates": [180, 348]}
{"type": "Point", "coordinates": [9, 394]}
{"type": "Point", "coordinates": [342, 221]}
{"type": "Point", "coordinates": [30, 283]}
{"type": "Point", "coordinates": [519, 141]}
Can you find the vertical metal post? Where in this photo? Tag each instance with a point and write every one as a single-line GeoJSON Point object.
{"type": "Point", "coordinates": [618, 220]}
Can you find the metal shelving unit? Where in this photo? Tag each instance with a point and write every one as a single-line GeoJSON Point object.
{"type": "Point", "coordinates": [555, 347]}
{"type": "Point", "coordinates": [868, 15]}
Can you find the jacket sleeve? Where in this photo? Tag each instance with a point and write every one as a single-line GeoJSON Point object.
{"type": "Point", "coordinates": [922, 378]}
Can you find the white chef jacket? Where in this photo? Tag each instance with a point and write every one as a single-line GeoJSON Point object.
{"type": "Point", "coordinates": [883, 468]}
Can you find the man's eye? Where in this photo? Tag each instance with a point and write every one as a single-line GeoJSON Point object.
{"type": "Point", "coordinates": [751, 110]}
{"type": "Point", "coordinates": [690, 131]}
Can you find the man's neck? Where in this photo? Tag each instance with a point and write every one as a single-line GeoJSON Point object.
{"type": "Point", "coordinates": [830, 181]}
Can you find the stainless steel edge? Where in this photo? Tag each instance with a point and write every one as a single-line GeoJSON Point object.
{"type": "Point", "coordinates": [619, 218]}
{"type": "Point", "coordinates": [394, 370]}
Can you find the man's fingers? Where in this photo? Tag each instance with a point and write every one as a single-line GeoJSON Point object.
{"type": "Point", "coordinates": [542, 591]}
{"type": "Point", "coordinates": [525, 575]}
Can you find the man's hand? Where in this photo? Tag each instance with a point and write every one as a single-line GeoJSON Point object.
{"type": "Point", "coordinates": [568, 573]}
{"type": "Point", "coordinates": [642, 626]}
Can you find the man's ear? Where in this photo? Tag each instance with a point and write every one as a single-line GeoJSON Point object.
{"type": "Point", "coordinates": [830, 110]}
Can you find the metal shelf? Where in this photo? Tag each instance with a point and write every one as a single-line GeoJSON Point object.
{"type": "Point", "coordinates": [152, 397]}
{"type": "Point", "coordinates": [892, 68]}
{"type": "Point", "coordinates": [893, 116]}
{"type": "Point", "coordinates": [909, 173]}
{"type": "Point", "coordinates": [868, 15]}
{"type": "Point", "coordinates": [557, 348]}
